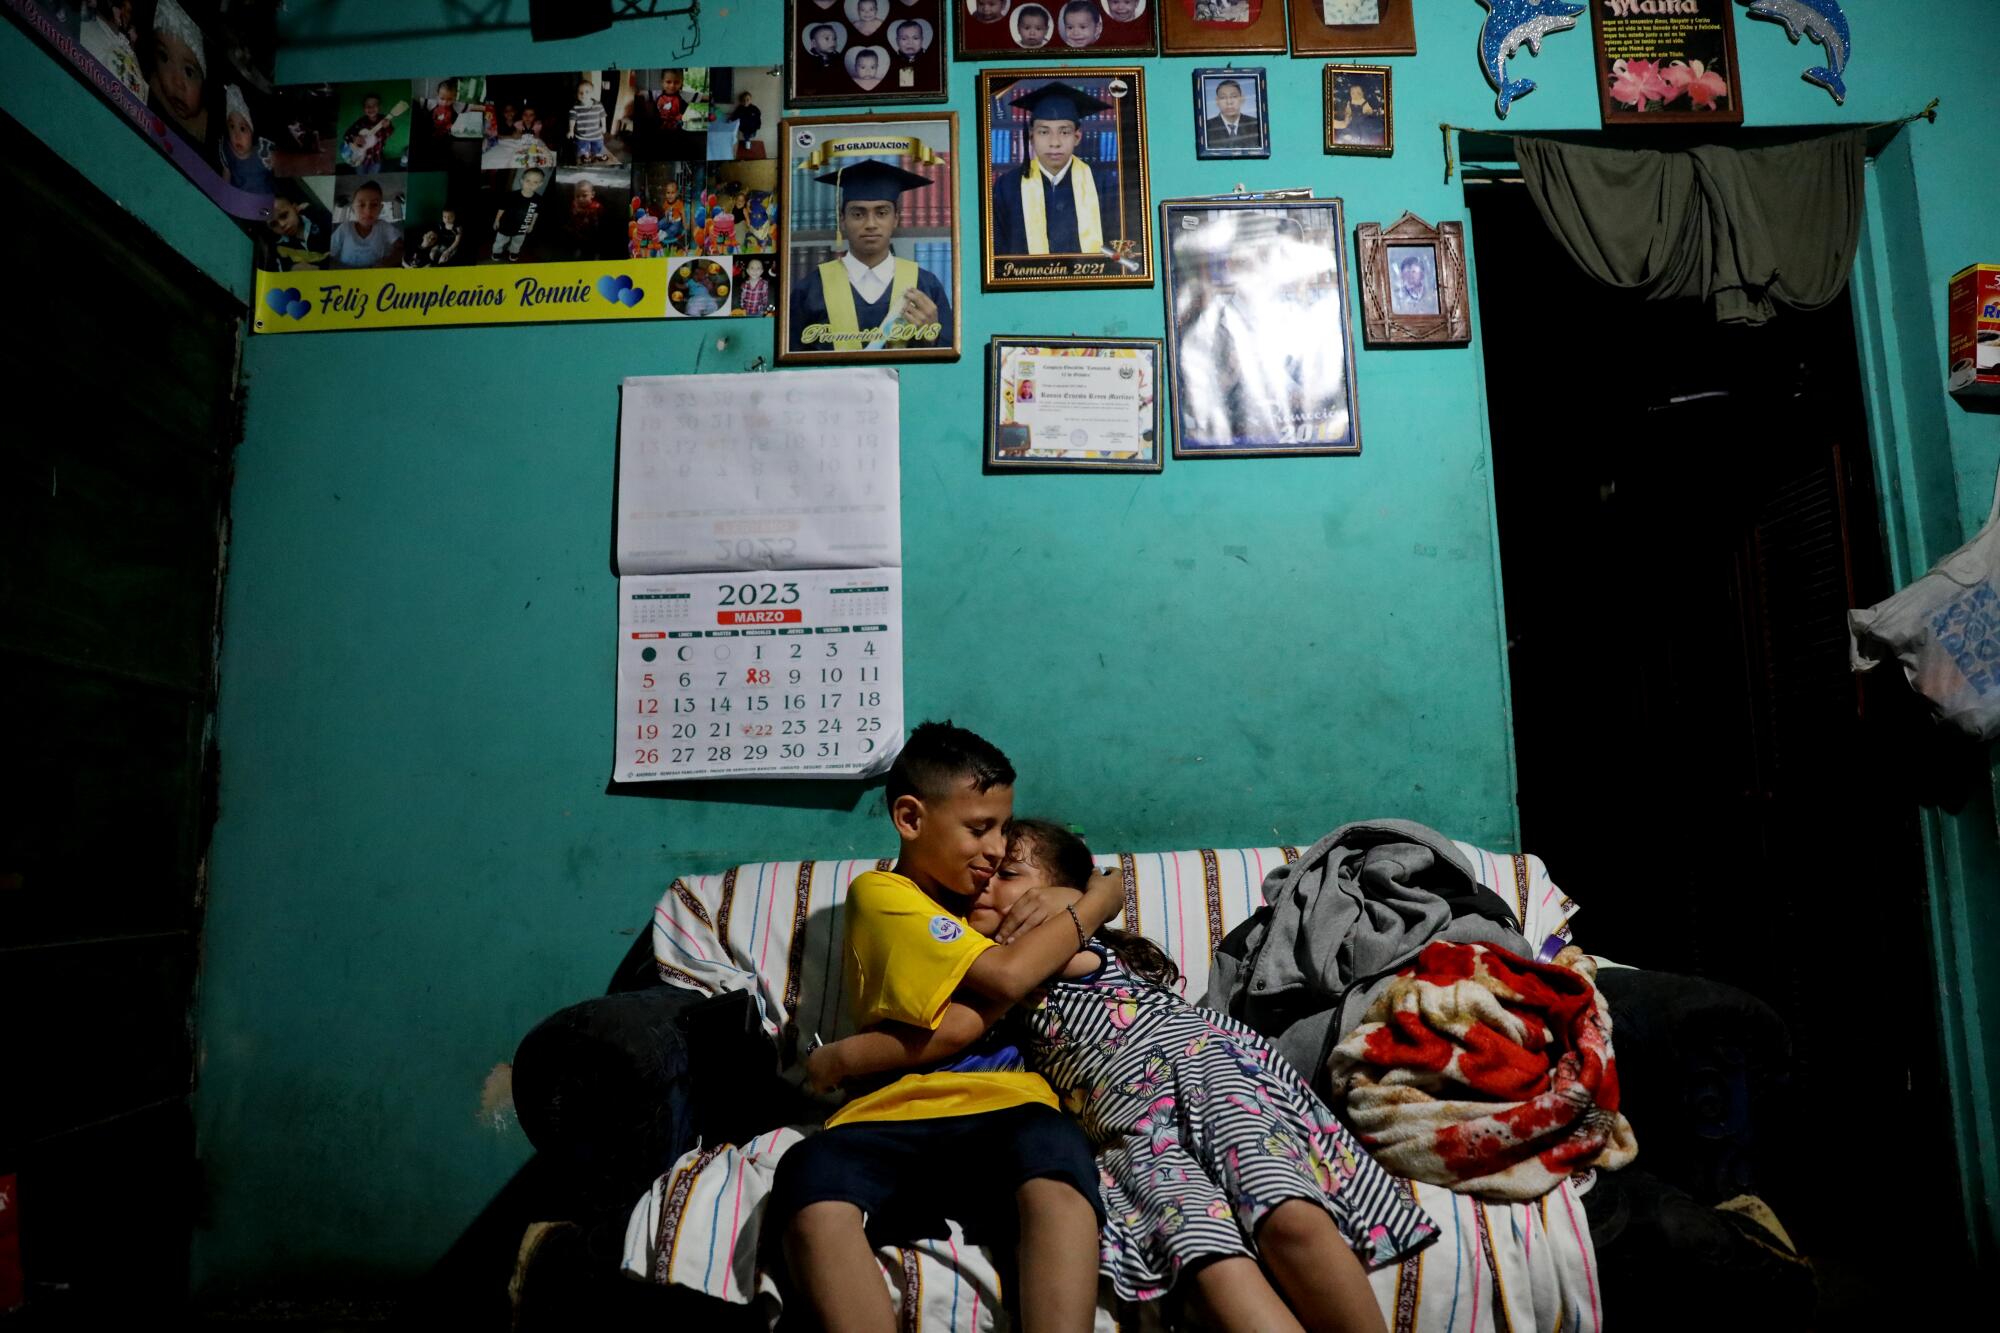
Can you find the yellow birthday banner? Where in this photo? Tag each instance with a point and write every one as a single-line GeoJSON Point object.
{"type": "Point", "coordinates": [381, 298]}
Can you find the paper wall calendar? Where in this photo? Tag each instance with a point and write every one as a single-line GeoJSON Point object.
{"type": "Point", "coordinates": [760, 592]}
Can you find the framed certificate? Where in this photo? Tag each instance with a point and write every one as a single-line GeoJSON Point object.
{"type": "Point", "coordinates": [1073, 404]}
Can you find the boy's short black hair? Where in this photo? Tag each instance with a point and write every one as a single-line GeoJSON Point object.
{"type": "Point", "coordinates": [939, 756]}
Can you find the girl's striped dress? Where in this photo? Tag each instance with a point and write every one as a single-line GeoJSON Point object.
{"type": "Point", "coordinates": [1200, 1130]}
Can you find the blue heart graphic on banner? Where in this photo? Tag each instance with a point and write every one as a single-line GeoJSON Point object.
{"type": "Point", "coordinates": [299, 309]}
{"type": "Point", "coordinates": [614, 289]}
{"type": "Point", "coordinates": [279, 299]}
{"type": "Point", "coordinates": [631, 296]}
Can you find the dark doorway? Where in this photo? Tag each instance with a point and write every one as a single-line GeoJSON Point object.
{"type": "Point", "coordinates": [1686, 510]}
{"type": "Point", "coordinates": [113, 487]}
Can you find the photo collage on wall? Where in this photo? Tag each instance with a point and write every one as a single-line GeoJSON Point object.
{"type": "Point", "coordinates": [521, 169]}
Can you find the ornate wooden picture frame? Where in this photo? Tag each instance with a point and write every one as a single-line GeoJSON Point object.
{"type": "Point", "coordinates": [1413, 283]}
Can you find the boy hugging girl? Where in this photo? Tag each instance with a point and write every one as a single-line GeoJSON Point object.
{"type": "Point", "coordinates": [1213, 1161]}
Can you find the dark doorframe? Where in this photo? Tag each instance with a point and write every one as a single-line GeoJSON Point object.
{"type": "Point", "coordinates": [113, 522]}
{"type": "Point", "coordinates": [1685, 512]}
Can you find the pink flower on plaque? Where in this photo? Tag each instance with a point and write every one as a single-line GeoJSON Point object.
{"type": "Point", "coordinates": [1703, 86]}
{"type": "Point", "coordinates": [1637, 82]}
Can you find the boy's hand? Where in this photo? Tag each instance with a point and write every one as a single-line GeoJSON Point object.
{"type": "Point", "coordinates": [1033, 907]}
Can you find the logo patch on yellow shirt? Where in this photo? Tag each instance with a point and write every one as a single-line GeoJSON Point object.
{"type": "Point", "coordinates": [944, 930]}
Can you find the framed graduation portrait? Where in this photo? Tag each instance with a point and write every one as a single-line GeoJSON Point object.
{"type": "Point", "coordinates": [1353, 28]}
{"type": "Point", "coordinates": [1062, 178]}
{"type": "Point", "coordinates": [1216, 27]}
{"type": "Point", "coordinates": [1053, 29]}
{"type": "Point", "coordinates": [859, 52]}
{"type": "Point", "coordinates": [868, 219]}
{"type": "Point", "coordinates": [1258, 328]}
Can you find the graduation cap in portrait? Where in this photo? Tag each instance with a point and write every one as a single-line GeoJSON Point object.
{"type": "Point", "coordinates": [869, 181]}
{"type": "Point", "coordinates": [1060, 101]}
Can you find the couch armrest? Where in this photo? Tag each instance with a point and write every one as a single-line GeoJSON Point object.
{"type": "Point", "coordinates": [1704, 1074]}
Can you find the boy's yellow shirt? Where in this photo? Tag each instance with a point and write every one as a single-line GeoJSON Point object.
{"type": "Point", "coordinates": [905, 956]}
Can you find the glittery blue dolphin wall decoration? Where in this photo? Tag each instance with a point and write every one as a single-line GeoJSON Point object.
{"type": "Point", "coordinates": [1511, 25]}
{"type": "Point", "coordinates": [1822, 21]}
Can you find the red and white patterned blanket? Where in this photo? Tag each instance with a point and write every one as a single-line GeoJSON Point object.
{"type": "Point", "coordinates": [1485, 1073]}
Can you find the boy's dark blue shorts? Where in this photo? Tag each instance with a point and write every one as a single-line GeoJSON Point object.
{"type": "Point", "coordinates": [908, 1176]}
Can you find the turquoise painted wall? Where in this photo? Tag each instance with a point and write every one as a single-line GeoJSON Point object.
{"type": "Point", "coordinates": [416, 859]}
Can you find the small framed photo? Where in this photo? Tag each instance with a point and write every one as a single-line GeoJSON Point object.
{"type": "Point", "coordinates": [1413, 283]}
{"type": "Point", "coordinates": [858, 52]}
{"type": "Point", "coordinates": [1062, 178]}
{"type": "Point", "coordinates": [1353, 28]}
{"type": "Point", "coordinates": [1073, 404]}
{"type": "Point", "coordinates": [1257, 323]}
{"type": "Point", "coordinates": [1215, 27]}
{"type": "Point", "coordinates": [1230, 114]}
{"type": "Point", "coordinates": [868, 224]}
{"type": "Point", "coordinates": [1360, 109]}
{"type": "Point", "coordinates": [1054, 29]}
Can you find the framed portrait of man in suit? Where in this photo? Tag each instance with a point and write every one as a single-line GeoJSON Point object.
{"type": "Point", "coordinates": [1062, 178]}
{"type": "Point", "coordinates": [1230, 117]}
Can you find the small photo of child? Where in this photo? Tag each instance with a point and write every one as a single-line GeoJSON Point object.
{"type": "Point", "coordinates": [661, 211]}
{"type": "Point", "coordinates": [599, 118]}
{"type": "Point", "coordinates": [375, 127]}
{"type": "Point", "coordinates": [175, 61]}
{"type": "Point", "coordinates": [591, 205]}
{"type": "Point", "coordinates": [738, 128]}
{"type": "Point", "coordinates": [448, 123]}
{"type": "Point", "coordinates": [756, 285]}
{"type": "Point", "coordinates": [300, 128]}
{"type": "Point", "coordinates": [247, 156]}
{"type": "Point", "coordinates": [367, 216]}
{"type": "Point", "coordinates": [698, 289]}
{"type": "Point", "coordinates": [433, 225]}
{"type": "Point", "coordinates": [672, 111]}
{"type": "Point", "coordinates": [110, 33]}
{"type": "Point", "coordinates": [299, 232]}
{"type": "Point", "coordinates": [516, 208]}
{"type": "Point", "coordinates": [531, 119]}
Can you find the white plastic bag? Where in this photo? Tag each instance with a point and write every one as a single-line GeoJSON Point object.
{"type": "Point", "coordinates": [1945, 630]}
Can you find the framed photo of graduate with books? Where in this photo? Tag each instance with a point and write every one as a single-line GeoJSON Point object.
{"type": "Point", "coordinates": [868, 218]}
{"type": "Point", "coordinates": [1062, 178]}
{"type": "Point", "coordinates": [1258, 327]}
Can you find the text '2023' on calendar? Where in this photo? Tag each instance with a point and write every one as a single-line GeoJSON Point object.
{"type": "Point", "coordinates": [760, 589]}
